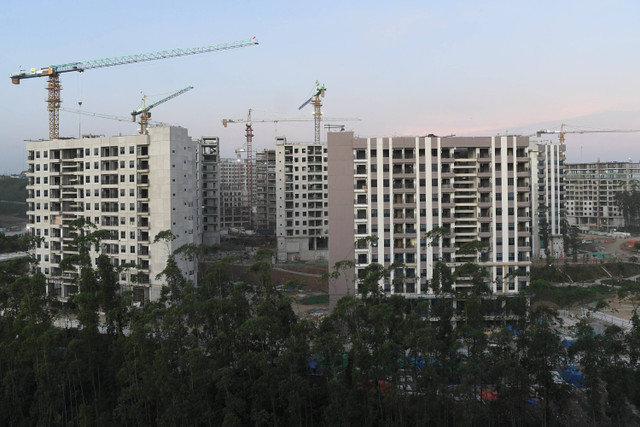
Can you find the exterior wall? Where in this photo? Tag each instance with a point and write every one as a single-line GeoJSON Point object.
{"type": "Point", "coordinates": [209, 158]}
{"type": "Point", "coordinates": [403, 187]}
{"type": "Point", "coordinates": [132, 186]}
{"type": "Point", "coordinates": [343, 198]}
{"type": "Point", "coordinates": [591, 193]}
{"type": "Point", "coordinates": [548, 193]}
{"type": "Point", "coordinates": [302, 201]}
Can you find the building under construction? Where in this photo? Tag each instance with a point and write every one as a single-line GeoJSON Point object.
{"type": "Point", "coordinates": [134, 187]}
{"type": "Point", "coordinates": [591, 193]}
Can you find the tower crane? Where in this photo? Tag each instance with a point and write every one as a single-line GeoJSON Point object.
{"type": "Point", "coordinates": [53, 72]}
{"type": "Point", "coordinates": [562, 132]}
{"type": "Point", "coordinates": [144, 113]}
{"type": "Point", "coordinates": [317, 108]}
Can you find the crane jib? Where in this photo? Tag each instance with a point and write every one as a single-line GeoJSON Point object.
{"type": "Point", "coordinates": [129, 59]}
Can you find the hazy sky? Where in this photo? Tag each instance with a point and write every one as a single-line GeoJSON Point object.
{"type": "Point", "coordinates": [404, 68]}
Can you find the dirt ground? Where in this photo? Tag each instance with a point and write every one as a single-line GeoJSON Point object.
{"type": "Point", "coordinates": [308, 276]}
{"type": "Point", "coordinates": [618, 247]}
{"type": "Point", "coordinates": [622, 309]}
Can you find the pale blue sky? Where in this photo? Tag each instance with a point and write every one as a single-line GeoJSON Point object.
{"type": "Point", "coordinates": [404, 68]}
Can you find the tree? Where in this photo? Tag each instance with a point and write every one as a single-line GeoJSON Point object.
{"type": "Point", "coordinates": [436, 234]}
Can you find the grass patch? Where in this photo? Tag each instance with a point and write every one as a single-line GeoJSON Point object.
{"type": "Point", "coordinates": [623, 269]}
{"type": "Point", "coordinates": [583, 272]}
{"type": "Point", "coordinates": [567, 296]}
{"type": "Point", "coordinates": [315, 299]}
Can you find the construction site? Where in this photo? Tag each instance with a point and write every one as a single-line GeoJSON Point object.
{"type": "Point", "coordinates": [165, 179]}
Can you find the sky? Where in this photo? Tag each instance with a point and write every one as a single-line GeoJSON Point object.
{"type": "Point", "coordinates": [402, 68]}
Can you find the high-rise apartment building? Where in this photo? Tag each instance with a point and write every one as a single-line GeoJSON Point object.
{"type": "Point", "coordinates": [591, 193]}
{"type": "Point", "coordinates": [302, 201]}
{"type": "Point", "coordinates": [132, 186]}
{"type": "Point", "coordinates": [398, 189]}
{"type": "Point", "coordinates": [209, 185]}
{"type": "Point", "coordinates": [548, 195]}
{"type": "Point", "coordinates": [264, 198]}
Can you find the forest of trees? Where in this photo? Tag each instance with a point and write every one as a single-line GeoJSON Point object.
{"type": "Point", "coordinates": [234, 354]}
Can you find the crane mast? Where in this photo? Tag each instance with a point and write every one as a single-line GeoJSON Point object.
{"type": "Point", "coordinates": [53, 72]}
{"type": "Point", "coordinates": [316, 101]}
{"type": "Point", "coordinates": [144, 113]}
{"type": "Point", "coordinates": [249, 139]}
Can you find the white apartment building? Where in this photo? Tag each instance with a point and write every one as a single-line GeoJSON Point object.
{"type": "Point", "coordinates": [302, 201]}
{"type": "Point", "coordinates": [399, 188]}
{"type": "Point", "coordinates": [133, 186]}
{"type": "Point", "coordinates": [591, 193]}
{"type": "Point", "coordinates": [548, 194]}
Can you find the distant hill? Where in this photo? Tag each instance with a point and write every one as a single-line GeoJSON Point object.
{"type": "Point", "coordinates": [13, 197]}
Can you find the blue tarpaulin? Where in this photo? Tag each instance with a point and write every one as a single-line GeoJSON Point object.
{"type": "Point", "coordinates": [573, 375]}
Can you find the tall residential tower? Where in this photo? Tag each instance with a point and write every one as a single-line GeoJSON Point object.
{"type": "Point", "coordinates": [398, 189]}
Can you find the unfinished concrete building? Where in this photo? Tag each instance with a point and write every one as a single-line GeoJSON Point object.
{"type": "Point", "coordinates": [591, 193]}
{"type": "Point", "coordinates": [302, 201]}
{"type": "Point", "coordinates": [234, 200]}
{"type": "Point", "coordinates": [209, 185]}
{"type": "Point", "coordinates": [132, 186]}
{"type": "Point", "coordinates": [264, 198]}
